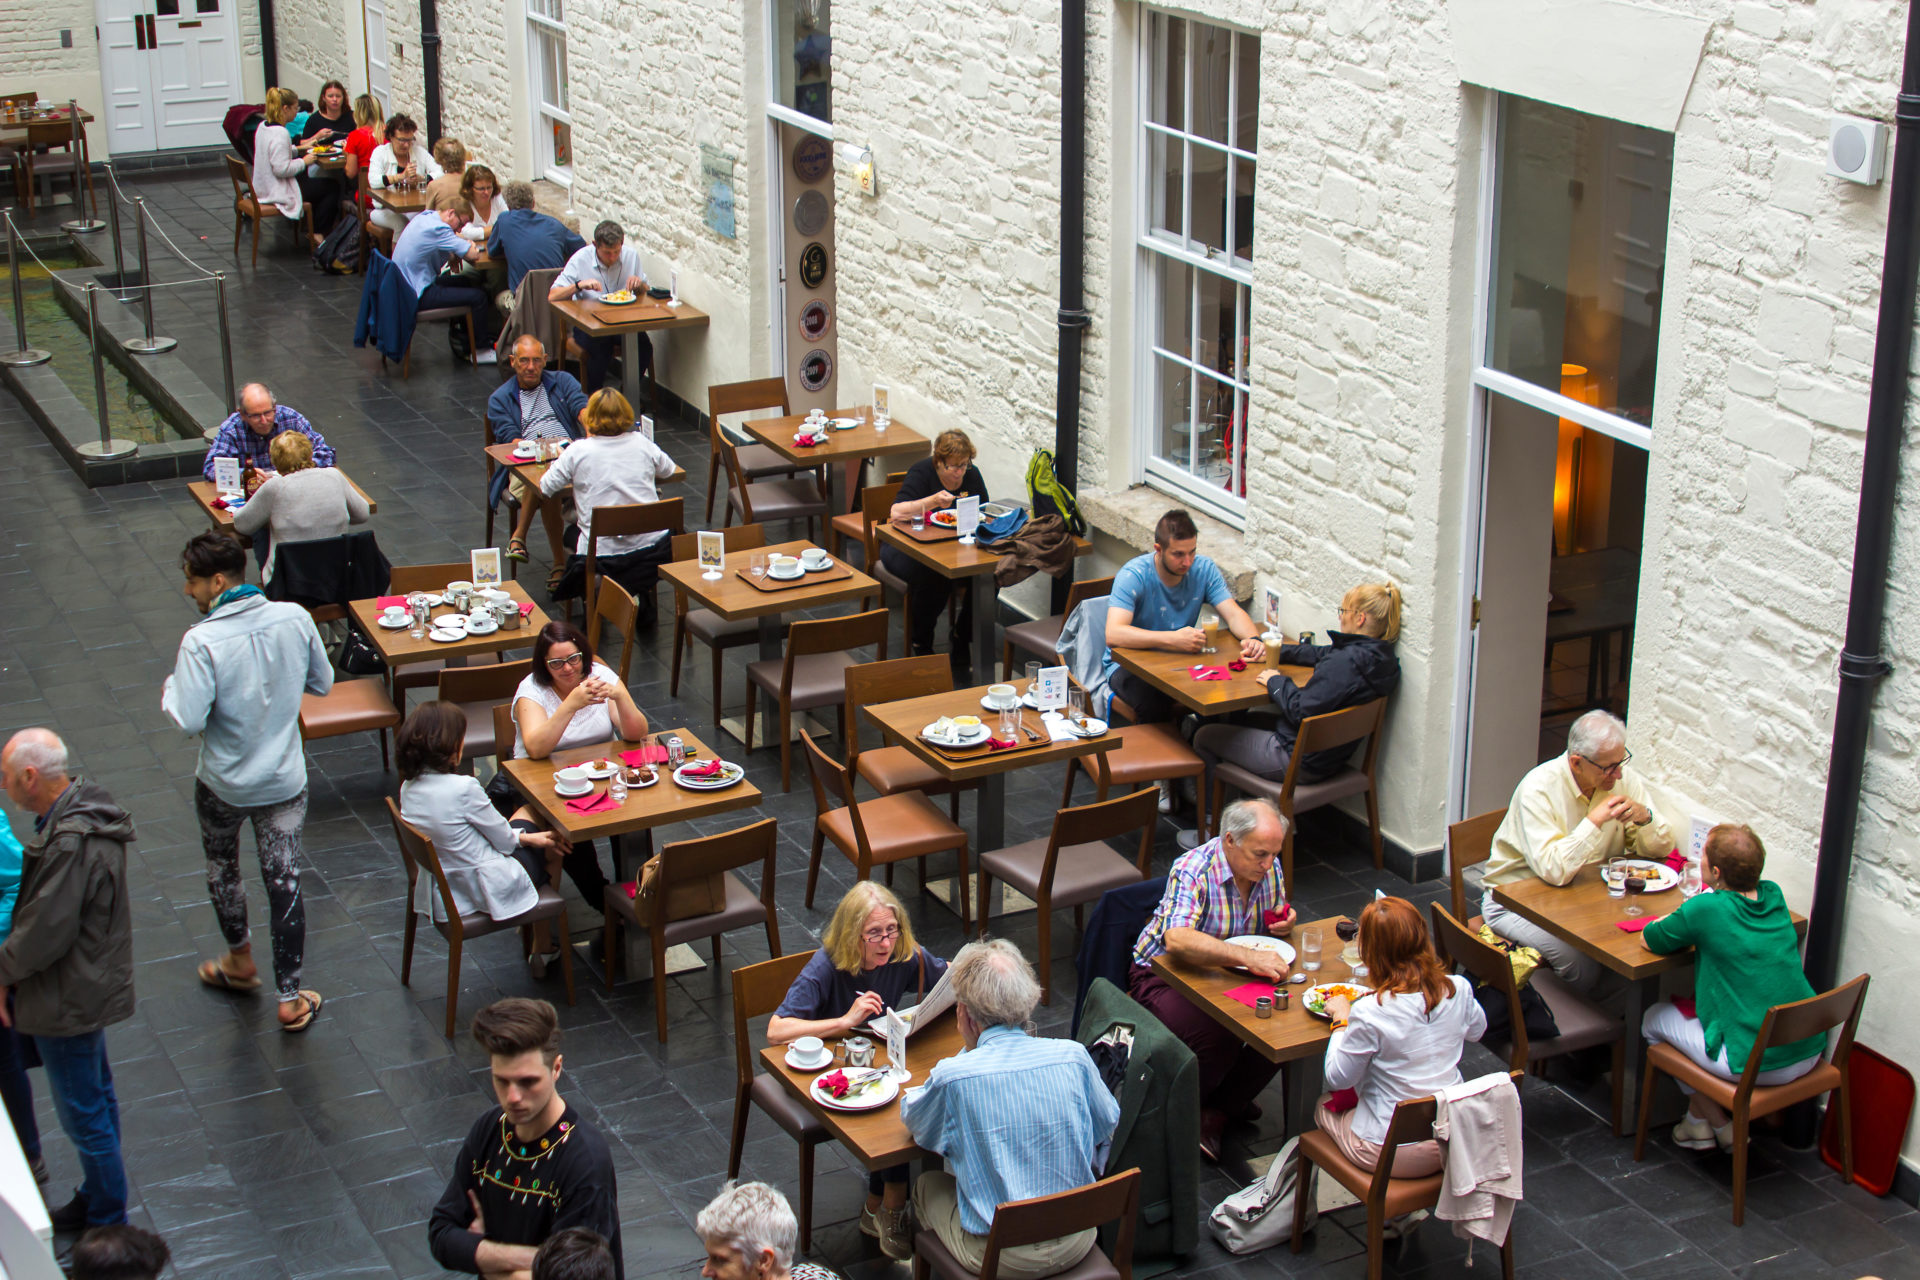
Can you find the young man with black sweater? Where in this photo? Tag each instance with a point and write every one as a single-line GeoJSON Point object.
{"type": "Point", "coordinates": [529, 1168]}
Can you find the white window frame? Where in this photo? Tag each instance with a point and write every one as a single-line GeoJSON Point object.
{"type": "Point", "coordinates": [1150, 245]}
{"type": "Point", "coordinates": [541, 28]}
{"type": "Point", "coordinates": [777, 110]}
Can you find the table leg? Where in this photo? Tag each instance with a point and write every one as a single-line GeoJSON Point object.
{"type": "Point", "coordinates": [1305, 1081]}
{"type": "Point", "coordinates": [1640, 995]}
{"type": "Point", "coordinates": [630, 368]}
{"type": "Point", "coordinates": [989, 828]}
{"type": "Point", "coordinates": [985, 647]}
{"type": "Point", "coordinates": [771, 642]}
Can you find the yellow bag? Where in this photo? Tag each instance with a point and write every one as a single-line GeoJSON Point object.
{"type": "Point", "coordinates": [686, 899]}
{"type": "Point", "coordinates": [1523, 959]}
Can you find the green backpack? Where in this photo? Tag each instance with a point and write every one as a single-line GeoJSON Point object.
{"type": "Point", "coordinates": [1048, 496]}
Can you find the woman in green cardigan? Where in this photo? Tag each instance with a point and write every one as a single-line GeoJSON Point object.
{"type": "Point", "coordinates": [1747, 961]}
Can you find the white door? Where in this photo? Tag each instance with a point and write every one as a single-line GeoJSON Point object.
{"type": "Point", "coordinates": [379, 69]}
{"type": "Point", "coordinates": [124, 75]}
{"type": "Point", "coordinates": [170, 69]}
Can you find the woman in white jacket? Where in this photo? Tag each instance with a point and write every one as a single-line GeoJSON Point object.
{"type": "Point", "coordinates": [280, 168]}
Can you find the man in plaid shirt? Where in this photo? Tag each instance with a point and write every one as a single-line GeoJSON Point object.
{"type": "Point", "coordinates": [1229, 887]}
{"type": "Point", "coordinates": [245, 435]}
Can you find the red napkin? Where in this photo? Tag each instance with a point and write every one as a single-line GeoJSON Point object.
{"type": "Point", "coordinates": [592, 804]}
{"type": "Point", "coordinates": [387, 602]}
{"type": "Point", "coordinates": [1686, 1006]}
{"type": "Point", "coordinates": [1635, 926]}
{"type": "Point", "coordinates": [1002, 744]}
{"type": "Point", "coordinates": [1342, 1100]}
{"type": "Point", "coordinates": [219, 504]}
{"type": "Point", "coordinates": [837, 1084]}
{"type": "Point", "coordinates": [1271, 918]}
{"type": "Point", "coordinates": [644, 756]}
{"type": "Point", "coordinates": [526, 608]}
{"type": "Point", "coordinates": [702, 769]}
{"type": "Point", "coordinates": [1237, 665]}
{"type": "Point", "coordinates": [631, 888]}
{"type": "Point", "coordinates": [1677, 860]}
{"type": "Point", "coordinates": [1208, 673]}
{"type": "Point", "coordinates": [1252, 991]}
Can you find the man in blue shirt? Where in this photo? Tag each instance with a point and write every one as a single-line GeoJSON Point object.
{"type": "Point", "coordinates": [527, 239]}
{"type": "Point", "coordinates": [422, 250]}
{"type": "Point", "coordinates": [1047, 1135]}
{"type": "Point", "coordinates": [249, 431]}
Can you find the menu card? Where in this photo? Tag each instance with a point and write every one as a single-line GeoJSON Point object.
{"type": "Point", "coordinates": [226, 475]}
{"type": "Point", "coordinates": [966, 513]}
{"type": "Point", "coordinates": [1050, 690]}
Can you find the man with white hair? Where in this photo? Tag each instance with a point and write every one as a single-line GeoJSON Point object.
{"type": "Point", "coordinates": [1574, 810]}
{"type": "Point", "coordinates": [749, 1233]}
{"type": "Point", "coordinates": [1048, 1135]}
{"type": "Point", "coordinates": [69, 959]}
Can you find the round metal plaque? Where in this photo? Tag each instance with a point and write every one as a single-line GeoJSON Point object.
{"type": "Point", "coordinates": [810, 213]}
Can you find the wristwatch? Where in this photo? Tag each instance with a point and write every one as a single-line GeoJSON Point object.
{"type": "Point", "coordinates": [1339, 1024]}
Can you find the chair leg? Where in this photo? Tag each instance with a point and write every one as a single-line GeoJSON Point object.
{"type": "Point", "coordinates": [1066, 792]}
{"type": "Point", "coordinates": [406, 943]}
{"type": "Point", "coordinates": [566, 955]}
{"type": "Point", "coordinates": [713, 477]}
{"type": "Point", "coordinates": [1202, 820]}
{"type": "Point", "coordinates": [1740, 1123]}
{"type": "Point", "coordinates": [716, 952]}
{"type": "Point", "coordinates": [1373, 826]}
{"type": "Point", "coordinates": [1506, 1255]}
{"type": "Point", "coordinates": [813, 861]}
{"type": "Point", "coordinates": [679, 648]}
{"type": "Point", "coordinates": [739, 1139]}
{"type": "Point", "coordinates": [1376, 1245]}
{"type": "Point", "coordinates": [658, 940]}
{"type": "Point", "coordinates": [1846, 1130]}
{"type": "Point", "coordinates": [786, 745]}
{"type": "Point", "coordinates": [1646, 1110]}
{"type": "Point", "coordinates": [1006, 660]}
{"type": "Point", "coordinates": [806, 1197]}
{"type": "Point", "coordinates": [239, 225]}
{"type": "Point", "coordinates": [256, 240]}
{"type": "Point", "coordinates": [719, 657]}
{"type": "Point", "coordinates": [773, 935]}
{"type": "Point", "coordinates": [752, 709]}
{"type": "Point", "coordinates": [1300, 1167]}
{"type": "Point", "coordinates": [610, 931]}
{"type": "Point", "coordinates": [960, 890]}
{"type": "Point", "coordinates": [453, 983]}
{"type": "Point", "coordinates": [986, 887]}
{"type": "Point", "coordinates": [1045, 940]}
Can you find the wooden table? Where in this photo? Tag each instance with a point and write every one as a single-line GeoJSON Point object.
{"type": "Point", "coordinates": [221, 519]}
{"type": "Point", "coordinates": [1292, 1037]}
{"type": "Point", "coordinates": [974, 565]}
{"type": "Point", "coordinates": [628, 322]}
{"type": "Point", "coordinates": [878, 1138]}
{"type": "Point", "coordinates": [397, 647]}
{"type": "Point", "coordinates": [1170, 673]}
{"type": "Point", "coordinates": [734, 600]}
{"type": "Point", "coordinates": [58, 116]}
{"type": "Point", "coordinates": [902, 722]}
{"type": "Point", "coordinates": [1582, 915]}
{"type": "Point", "coordinates": [531, 471]}
{"type": "Point", "coordinates": [843, 451]}
{"type": "Point", "coordinates": [402, 200]}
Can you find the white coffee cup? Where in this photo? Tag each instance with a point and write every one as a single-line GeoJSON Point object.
{"type": "Point", "coordinates": [572, 777]}
{"type": "Point", "coordinates": [494, 595]}
{"type": "Point", "coordinates": [395, 611]}
{"type": "Point", "coordinates": [809, 1048]}
{"type": "Point", "coordinates": [815, 558]}
{"type": "Point", "coordinates": [782, 564]}
{"type": "Point", "coordinates": [1001, 695]}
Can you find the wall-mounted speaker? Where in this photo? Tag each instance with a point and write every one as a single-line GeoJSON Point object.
{"type": "Point", "coordinates": [1856, 149]}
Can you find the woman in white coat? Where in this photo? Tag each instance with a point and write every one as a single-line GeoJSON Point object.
{"type": "Point", "coordinates": [280, 168]}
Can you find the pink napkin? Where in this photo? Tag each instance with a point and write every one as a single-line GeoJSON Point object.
{"type": "Point", "coordinates": [1635, 926]}
{"type": "Point", "coordinates": [1208, 673]}
{"type": "Point", "coordinates": [805, 441]}
{"type": "Point", "coordinates": [387, 602]}
{"type": "Point", "coordinates": [702, 769]}
{"type": "Point", "coordinates": [1686, 1006]}
{"type": "Point", "coordinates": [1342, 1100]}
{"type": "Point", "coordinates": [1677, 860]}
{"type": "Point", "coordinates": [526, 608]}
{"type": "Point", "coordinates": [644, 755]}
{"type": "Point", "coordinates": [219, 504]}
{"type": "Point", "coordinates": [592, 804]}
{"type": "Point", "coordinates": [1252, 991]}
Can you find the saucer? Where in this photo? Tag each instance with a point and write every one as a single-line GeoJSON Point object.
{"type": "Point", "coordinates": [825, 1058]}
{"type": "Point", "coordinates": [573, 793]}
{"type": "Point", "coordinates": [991, 705]}
{"type": "Point", "coordinates": [395, 624]}
{"type": "Point", "coordinates": [825, 563]}
{"type": "Point", "coordinates": [786, 577]}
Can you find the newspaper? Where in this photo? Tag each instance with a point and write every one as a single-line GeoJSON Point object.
{"type": "Point", "coordinates": [937, 1002]}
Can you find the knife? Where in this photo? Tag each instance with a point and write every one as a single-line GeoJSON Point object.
{"type": "Point", "coordinates": [1031, 735]}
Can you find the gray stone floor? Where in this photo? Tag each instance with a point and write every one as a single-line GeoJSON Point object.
{"type": "Point", "coordinates": [261, 1155]}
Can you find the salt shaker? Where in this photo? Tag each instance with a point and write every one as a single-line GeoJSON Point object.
{"type": "Point", "coordinates": [1263, 1007]}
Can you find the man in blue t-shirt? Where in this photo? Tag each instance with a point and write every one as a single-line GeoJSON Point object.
{"type": "Point", "coordinates": [422, 250]}
{"type": "Point", "coordinates": [1154, 604]}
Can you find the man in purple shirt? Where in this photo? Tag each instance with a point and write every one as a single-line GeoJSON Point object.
{"type": "Point", "coordinates": [247, 433]}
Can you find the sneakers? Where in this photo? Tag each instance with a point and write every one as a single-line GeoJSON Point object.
{"type": "Point", "coordinates": [1167, 795]}
{"type": "Point", "coordinates": [70, 1217]}
{"type": "Point", "coordinates": [896, 1232]}
{"type": "Point", "coordinates": [486, 355]}
{"type": "Point", "coordinates": [1696, 1134]}
{"type": "Point", "coordinates": [869, 1222]}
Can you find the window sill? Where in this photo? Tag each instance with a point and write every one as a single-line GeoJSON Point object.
{"type": "Point", "coordinates": [1130, 514]}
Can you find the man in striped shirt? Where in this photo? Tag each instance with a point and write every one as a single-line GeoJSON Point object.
{"type": "Point", "coordinates": [1229, 887]}
{"type": "Point", "coordinates": [1016, 1116]}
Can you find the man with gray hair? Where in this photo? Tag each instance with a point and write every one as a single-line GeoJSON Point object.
{"type": "Point", "coordinates": [1573, 811]}
{"type": "Point", "coordinates": [749, 1233]}
{"type": "Point", "coordinates": [1047, 1136]}
{"type": "Point", "coordinates": [526, 239]}
{"type": "Point", "coordinates": [1230, 887]}
{"type": "Point", "coordinates": [68, 961]}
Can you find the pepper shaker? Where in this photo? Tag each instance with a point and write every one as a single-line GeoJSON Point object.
{"type": "Point", "coordinates": [1280, 999]}
{"type": "Point", "coordinates": [1263, 1007]}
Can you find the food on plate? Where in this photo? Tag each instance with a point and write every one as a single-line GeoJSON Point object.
{"type": "Point", "coordinates": [946, 518]}
{"type": "Point", "coordinates": [943, 727]}
{"type": "Point", "coordinates": [1316, 999]}
{"type": "Point", "coordinates": [620, 295]}
{"type": "Point", "coordinates": [967, 722]}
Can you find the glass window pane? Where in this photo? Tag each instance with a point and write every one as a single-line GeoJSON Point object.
{"type": "Point", "coordinates": [1173, 305]}
{"type": "Point", "coordinates": [1209, 209]}
{"type": "Point", "coordinates": [562, 144]}
{"type": "Point", "coordinates": [1167, 93]}
{"type": "Point", "coordinates": [1580, 248]}
{"type": "Point", "coordinates": [1212, 65]}
{"type": "Point", "coordinates": [1215, 323]}
{"type": "Point", "coordinates": [1243, 171]}
{"type": "Point", "coordinates": [1166, 168]}
{"type": "Point", "coordinates": [1172, 409]}
{"type": "Point", "coordinates": [1246, 129]}
{"type": "Point", "coordinates": [803, 56]}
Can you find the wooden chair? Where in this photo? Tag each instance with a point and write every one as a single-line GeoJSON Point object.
{"type": "Point", "coordinates": [1147, 753]}
{"type": "Point", "coordinates": [352, 706]}
{"type": "Point", "coordinates": [417, 852]}
{"type": "Point", "coordinates": [372, 234]}
{"type": "Point", "coordinates": [665, 516]}
{"type": "Point", "coordinates": [1024, 1222]}
{"type": "Point", "coordinates": [1582, 1024]}
{"type": "Point", "coordinates": [1470, 843]}
{"type": "Point", "coordinates": [797, 497]}
{"type": "Point", "coordinates": [503, 727]}
{"type": "Point", "coordinates": [437, 315]}
{"type": "Point", "coordinates": [704, 625]}
{"type": "Point", "coordinates": [477, 691]}
{"type": "Point", "coordinates": [614, 606]}
{"type": "Point", "coordinates": [401, 580]}
{"type": "Point", "coordinates": [876, 501]}
{"type": "Point", "coordinates": [49, 151]}
{"type": "Point", "coordinates": [1041, 635]}
{"type": "Point", "coordinates": [1746, 1100]}
{"type": "Point", "coordinates": [877, 832]}
{"type": "Point", "coordinates": [758, 990]}
{"type": "Point", "coordinates": [248, 205]}
{"type": "Point", "coordinates": [813, 673]}
{"type": "Point", "coordinates": [853, 524]}
{"type": "Point", "coordinates": [1384, 1195]}
{"type": "Point", "coordinates": [694, 860]}
{"type": "Point", "coordinates": [757, 461]}
{"type": "Point", "coordinates": [892, 770]}
{"type": "Point", "coordinates": [1074, 865]}
{"type": "Point", "coordinates": [506, 495]}
{"type": "Point", "coordinates": [1317, 733]}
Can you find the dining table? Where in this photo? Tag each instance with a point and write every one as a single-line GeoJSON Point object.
{"type": "Point", "coordinates": [406, 200]}
{"type": "Point", "coordinates": [627, 321]}
{"type": "Point", "coordinates": [397, 647]}
{"type": "Point", "coordinates": [205, 494]}
{"type": "Point", "coordinates": [531, 471]}
{"type": "Point", "coordinates": [844, 450]}
{"type": "Point", "coordinates": [1173, 674]}
{"type": "Point", "coordinates": [1291, 1037]}
{"type": "Point", "coordinates": [941, 550]}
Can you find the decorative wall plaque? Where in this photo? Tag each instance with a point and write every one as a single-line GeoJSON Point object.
{"type": "Point", "coordinates": [810, 213]}
{"type": "Point", "coordinates": [815, 319]}
{"type": "Point", "coordinates": [816, 369]}
{"type": "Point", "coordinates": [813, 265]}
{"type": "Point", "coordinates": [812, 159]}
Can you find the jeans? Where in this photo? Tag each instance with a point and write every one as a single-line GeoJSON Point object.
{"type": "Point", "coordinates": [475, 300]}
{"type": "Point", "coordinates": [599, 354]}
{"type": "Point", "coordinates": [16, 1090]}
{"type": "Point", "coordinates": [1150, 706]}
{"type": "Point", "coordinates": [82, 1087]}
{"type": "Point", "coordinates": [276, 835]}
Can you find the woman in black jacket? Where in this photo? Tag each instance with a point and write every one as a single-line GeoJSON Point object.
{"type": "Point", "coordinates": [1356, 668]}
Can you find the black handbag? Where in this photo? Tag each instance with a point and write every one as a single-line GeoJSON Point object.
{"type": "Point", "coordinates": [359, 658]}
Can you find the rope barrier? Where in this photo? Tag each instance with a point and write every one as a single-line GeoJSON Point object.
{"type": "Point", "coordinates": [154, 223]}
{"type": "Point", "coordinates": [80, 290]}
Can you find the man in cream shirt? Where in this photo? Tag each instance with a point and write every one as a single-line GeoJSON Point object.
{"type": "Point", "coordinates": [1580, 808]}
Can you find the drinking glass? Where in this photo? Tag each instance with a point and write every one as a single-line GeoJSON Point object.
{"type": "Point", "coordinates": [1209, 623]}
{"type": "Point", "coordinates": [860, 417]}
{"type": "Point", "coordinates": [1690, 883]}
{"type": "Point", "coordinates": [1010, 724]}
{"type": "Point", "coordinates": [1349, 931]}
{"type": "Point", "coordinates": [757, 564]}
{"type": "Point", "coordinates": [1633, 888]}
{"type": "Point", "coordinates": [1615, 876]}
{"type": "Point", "coordinates": [1311, 943]}
{"type": "Point", "coordinates": [919, 521]}
{"type": "Point", "coordinates": [1076, 706]}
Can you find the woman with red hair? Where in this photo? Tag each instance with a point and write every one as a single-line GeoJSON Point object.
{"type": "Point", "coordinates": [1401, 1040]}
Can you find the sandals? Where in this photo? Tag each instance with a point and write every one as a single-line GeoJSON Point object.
{"type": "Point", "coordinates": [554, 580]}
{"type": "Point", "coordinates": [215, 975]}
{"type": "Point", "coordinates": [313, 1002]}
{"type": "Point", "coordinates": [517, 549]}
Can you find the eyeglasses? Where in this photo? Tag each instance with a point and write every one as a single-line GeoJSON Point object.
{"type": "Point", "coordinates": [887, 934]}
{"type": "Point", "coordinates": [571, 660]}
{"type": "Point", "coordinates": [1615, 767]}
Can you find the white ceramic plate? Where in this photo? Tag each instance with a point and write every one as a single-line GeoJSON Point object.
{"type": "Point", "coordinates": [878, 1094]}
{"type": "Point", "coordinates": [843, 424]}
{"type": "Point", "coordinates": [571, 793]}
{"type": "Point", "coordinates": [963, 736]}
{"type": "Point", "coordinates": [1264, 942]}
{"type": "Point", "coordinates": [1314, 999]}
{"type": "Point", "coordinates": [447, 637]}
{"type": "Point", "coordinates": [593, 769]}
{"type": "Point", "coordinates": [523, 451]}
{"type": "Point", "coordinates": [1089, 728]}
{"type": "Point", "coordinates": [1659, 876]}
{"type": "Point", "coordinates": [394, 624]}
{"type": "Point", "coordinates": [817, 568]}
{"type": "Point", "coordinates": [486, 630]}
{"type": "Point", "coordinates": [730, 775]}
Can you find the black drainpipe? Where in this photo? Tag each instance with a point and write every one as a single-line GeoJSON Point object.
{"type": "Point", "coordinates": [1861, 665]}
{"type": "Point", "coordinates": [269, 48]}
{"type": "Point", "coordinates": [1073, 252]}
{"type": "Point", "coordinates": [430, 63]}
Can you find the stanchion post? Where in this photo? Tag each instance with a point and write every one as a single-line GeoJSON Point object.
{"type": "Point", "coordinates": [82, 224]}
{"type": "Point", "coordinates": [149, 345]}
{"type": "Point", "coordinates": [108, 448]}
{"type": "Point", "coordinates": [26, 355]}
{"type": "Point", "coordinates": [113, 225]}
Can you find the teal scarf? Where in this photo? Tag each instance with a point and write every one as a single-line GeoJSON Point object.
{"type": "Point", "coordinates": [232, 594]}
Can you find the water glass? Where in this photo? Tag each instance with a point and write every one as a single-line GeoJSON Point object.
{"type": "Point", "coordinates": [919, 521]}
{"type": "Point", "coordinates": [757, 564]}
{"type": "Point", "coordinates": [1010, 724]}
{"type": "Point", "coordinates": [1312, 942]}
{"type": "Point", "coordinates": [1690, 882]}
{"type": "Point", "coordinates": [860, 417]}
{"type": "Point", "coordinates": [1033, 674]}
{"type": "Point", "coordinates": [1076, 705]}
{"type": "Point", "coordinates": [1615, 876]}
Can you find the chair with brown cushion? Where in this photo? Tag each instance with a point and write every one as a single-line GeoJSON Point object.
{"type": "Point", "coordinates": [758, 990]}
{"type": "Point", "coordinates": [891, 770]}
{"type": "Point", "coordinates": [436, 315]}
{"type": "Point", "coordinates": [1746, 1100]}
{"type": "Point", "coordinates": [796, 497]}
{"type": "Point", "coordinates": [692, 860]}
{"type": "Point", "coordinates": [812, 673]}
{"type": "Point", "coordinates": [417, 852]}
{"type": "Point", "coordinates": [1147, 753]}
{"type": "Point", "coordinates": [248, 205]}
{"type": "Point", "coordinates": [352, 706]}
{"type": "Point", "coordinates": [1582, 1024]}
{"type": "Point", "coordinates": [1074, 865]}
{"type": "Point", "coordinates": [705, 625]}
{"type": "Point", "coordinates": [372, 234]}
{"type": "Point", "coordinates": [757, 461]}
{"type": "Point", "coordinates": [614, 606]}
{"type": "Point", "coordinates": [1041, 635]}
{"type": "Point", "coordinates": [876, 502]}
{"type": "Point", "coordinates": [1383, 1195]}
{"type": "Point", "coordinates": [1292, 796]}
{"type": "Point", "coordinates": [1470, 843]}
{"type": "Point", "coordinates": [1023, 1222]}
{"type": "Point", "coordinates": [876, 832]}
{"type": "Point", "coordinates": [432, 578]}
{"type": "Point", "coordinates": [477, 691]}
{"type": "Point", "coordinates": [668, 516]}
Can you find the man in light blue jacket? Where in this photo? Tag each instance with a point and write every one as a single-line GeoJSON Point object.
{"type": "Point", "coordinates": [237, 682]}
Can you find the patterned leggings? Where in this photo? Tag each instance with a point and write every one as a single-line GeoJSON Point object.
{"type": "Point", "coordinates": [276, 834]}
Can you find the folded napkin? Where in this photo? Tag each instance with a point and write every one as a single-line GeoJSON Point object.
{"type": "Point", "coordinates": [219, 504]}
{"type": "Point", "coordinates": [526, 608]}
{"type": "Point", "coordinates": [1635, 926]}
{"type": "Point", "coordinates": [1342, 1100]}
{"type": "Point", "coordinates": [592, 804]}
{"type": "Point", "coordinates": [1237, 665]}
{"type": "Point", "coordinates": [1252, 991]}
{"type": "Point", "coordinates": [387, 602]}
{"type": "Point", "coordinates": [1677, 861]}
{"type": "Point", "coordinates": [805, 441]}
{"type": "Point", "coordinates": [1686, 1006]}
{"type": "Point", "coordinates": [836, 1084]}
{"type": "Point", "coordinates": [702, 769]}
{"type": "Point", "coordinates": [1002, 744]}
{"type": "Point", "coordinates": [1208, 673]}
{"type": "Point", "coordinates": [644, 755]}
{"type": "Point", "coordinates": [1268, 919]}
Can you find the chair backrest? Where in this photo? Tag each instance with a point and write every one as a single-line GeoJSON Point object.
{"type": "Point", "coordinates": [1469, 843]}
{"type": "Point", "coordinates": [833, 635]}
{"type": "Point", "coordinates": [703, 856]}
{"type": "Point", "coordinates": [872, 683]}
{"type": "Point", "coordinates": [241, 178]}
{"type": "Point", "coordinates": [741, 537]}
{"type": "Point", "coordinates": [1024, 1222]}
{"type": "Point", "coordinates": [747, 397]}
{"type": "Point", "coordinates": [1412, 1122]}
{"type": "Point", "coordinates": [1338, 728]}
{"type": "Point", "coordinates": [1487, 966]}
{"type": "Point", "coordinates": [758, 989]}
{"type": "Point", "coordinates": [614, 605]}
{"type": "Point", "coordinates": [1106, 820]}
{"type": "Point", "coordinates": [483, 682]}
{"type": "Point", "coordinates": [832, 785]}
{"type": "Point", "coordinates": [1816, 1015]}
{"type": "Point", "coordinates": [1087, 589]}
{"type": "Point", "coordinates": [25, 99]}
{"type": "Point", "coordinates": [417, 852]}
{"type": "Point", "coordinates": [876, 501]}
{"type": "Point", "coordinates": [669, 516]}
{"type": "Point", "coordinates": [503, 730]}
{"type": "Point", "coordinates": [426, 577]}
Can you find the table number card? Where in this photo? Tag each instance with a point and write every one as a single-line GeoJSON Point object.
{"type": "Point", "coordinates": [1273, 610]}
{"type": "Point", "coordinates": [226, 475]}
{"type": "Point", "coordinates": [896, 1046]}
{"type": "Point", "coordinates": [880, 412]}
{"type": "Point", "coordinates": [1050, 690]}
{"type": "Point", "coordinates": [966, 513]}
{"type": "Point", "coordinates": [646, 426]}
{"type": "Point", "coordinates": [485, 566]}
{"type": "Point", "coordinates": [713, 553]}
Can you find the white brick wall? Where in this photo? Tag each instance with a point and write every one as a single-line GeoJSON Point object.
{"type": "Point", "coordinates": [311, 44]}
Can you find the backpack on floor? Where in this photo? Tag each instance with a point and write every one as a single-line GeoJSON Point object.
{"type": "Point", "coordinates": [342, 244]}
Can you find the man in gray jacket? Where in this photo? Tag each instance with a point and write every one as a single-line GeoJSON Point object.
{"type": "Point", "coordinates": [237, 682]}
{"type": "Point", "coordinates": [69, 958]}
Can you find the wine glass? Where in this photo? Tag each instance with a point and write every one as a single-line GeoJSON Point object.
{"type": "Point", "coordinates": [1634, 887]}
{"type": "Point", "coordinates": [1349, 931]}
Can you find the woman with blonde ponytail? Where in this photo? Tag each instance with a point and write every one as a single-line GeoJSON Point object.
{"type": "Point", "coordinates": [1358, 666]}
